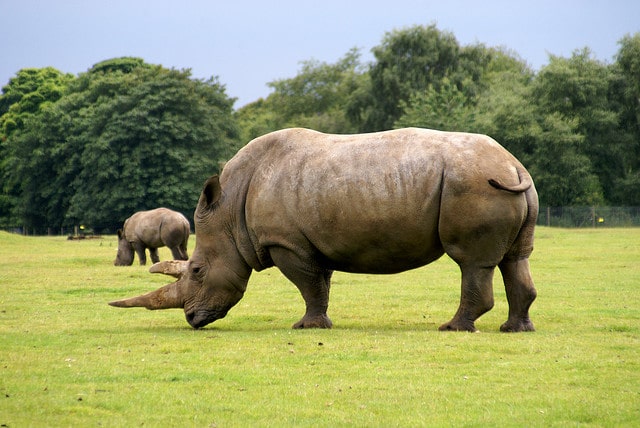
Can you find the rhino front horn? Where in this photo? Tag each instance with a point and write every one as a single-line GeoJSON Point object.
{"type": "Point", "coordinates": [175, 268]}
{"type": "Point", "coordinates": [166, 297]}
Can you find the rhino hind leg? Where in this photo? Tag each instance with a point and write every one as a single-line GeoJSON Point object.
{"type": "Point", "coordinates": [476, 298]}
{"type": "Point", "coordinates": [520, 294]}
{"type": "Point", "coordinates": [153, 252]}
{"type": "Point", "coordinates": [316, 297]}
{"type": "Point", "coordinates": [313, 321]}
{"type": "Point", "coordinates": [179, 252]}
{"type": "Point", "coordinates": [313, 282]}
{"type": "Point", "coordinates": [141, 252]}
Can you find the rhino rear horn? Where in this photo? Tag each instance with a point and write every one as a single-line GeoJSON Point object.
{"type": "Point", "coordinates": [175, 268]}
{"type": "Point", "coordinates": [166, 297]}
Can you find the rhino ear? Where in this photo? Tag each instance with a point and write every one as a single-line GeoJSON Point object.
{"type": "Point", "coordinates": [211, 192]}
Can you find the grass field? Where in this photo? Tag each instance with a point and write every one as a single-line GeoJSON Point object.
{"type": "Point", "coordinates": [69, 359]}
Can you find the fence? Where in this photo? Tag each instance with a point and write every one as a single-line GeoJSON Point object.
{"type": "Point", "coordinates": [547, 216]}
{"type": "Point", "coordinates": [589, 216]}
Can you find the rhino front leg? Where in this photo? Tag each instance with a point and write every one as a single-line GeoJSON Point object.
{"type": "Point", "coordinates": [520, 294]}
{"type": "Point", "coordinates": [476, 298]}
{"type": "Point", "coordinates": [313, 283]}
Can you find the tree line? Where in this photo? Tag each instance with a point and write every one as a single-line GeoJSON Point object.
{"type": "Point", "coordinates": [126, 135]}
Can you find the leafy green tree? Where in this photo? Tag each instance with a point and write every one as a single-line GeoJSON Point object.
{"type": "Point", "coordinates": [507, 101]}
{"type": "Point", "coordinates": [543, 120]}
{"type": "Point", "coordinates": [562, 172]}
{"type": "Point", "coordinates": [625, 94]}
{"type": "Point", "coordinates": [125, 64]}
{"type": "Point", "coordinates": [496, 103]}
{"type": "Point", "coordinates": [123, 139]}
{"type": "Point", "coordinates": [446, 109]}
{"type": "Point", "coordinates": [505, 110]}
{"type": "Point", "coordinates": [34, 157]}
{"type": "Point", "coordinates": [256, 119]}
{"type": "Point", "coordinates": [577, 89]}
{"type": "Point", "coordinates": [25, 96]}
{"type": "Point", "coordinates": [26, 92]}
{"type": "Point", "coordinates": [317, 98]}
{"type": "Point", "coordinates": [407, 61]}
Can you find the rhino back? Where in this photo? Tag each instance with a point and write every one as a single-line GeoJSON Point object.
{"type": "Point", "coordinates": [144, 226]}
{"type": "Point", "coordinates": [359, 203]}
{"type": "Point", "coordinates": [174, 229]}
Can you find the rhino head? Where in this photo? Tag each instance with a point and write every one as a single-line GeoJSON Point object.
{"type": "Point", "coordinates": [124, 256]}
{"type": "Point", "coordinates": [214, 279]}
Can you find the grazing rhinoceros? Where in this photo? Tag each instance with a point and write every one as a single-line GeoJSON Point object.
{"type": "Point", "coordinates": [152, 229]}
{"type": "Point", "coordinates": [311, 203]}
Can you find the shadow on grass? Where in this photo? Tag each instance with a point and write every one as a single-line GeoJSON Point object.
{"type": "Point", "coordinates": [268, 324]}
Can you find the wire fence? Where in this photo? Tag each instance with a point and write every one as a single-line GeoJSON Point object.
{"type": "Point", "coordinates": [593, 217]}
{"type": "Point", "coordinates": [570, 217]}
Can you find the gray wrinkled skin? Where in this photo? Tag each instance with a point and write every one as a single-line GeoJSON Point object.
{"type": "Point", "coordinates": [152, 229]}
{"type": "Point", "coordinates": [311, 203]}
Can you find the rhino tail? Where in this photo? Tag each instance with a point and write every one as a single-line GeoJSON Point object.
{"type": "Point", "coordinates": [525, 183]}
{"type": "Point", "coordinates": [523, 245]}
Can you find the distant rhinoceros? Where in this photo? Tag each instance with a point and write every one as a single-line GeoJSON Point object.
{"type": "Point", "coordinates": [152, 229]}
{"type": "Point", "coordinates": [311, 203]}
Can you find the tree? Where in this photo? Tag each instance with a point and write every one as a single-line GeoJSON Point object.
{"type": "Point", "coordinates": [34, 157]}
{"type": "Point", "coordinates": [445, 109]}
{"type": "Point", "coordinates": [123, 139]}
{"type": "Point", "coordinates": [577, 89]}
{"type": "Point", "coordinates": [256, 119]}
{"type": "Point", "coordinates": [505, 110]}
{"type": "Point", "coordinates": [24, 97]}
{"type": "Point", "coordinates": [504, 99]}
{"type": "Point", "coordinates": [406, 62]}
{"type": "Point", "coordinates": [317, 98]}
{"type": "Point", "coordinates": [125, 64]}
{"type": "Point", "coordinates": [625, 94]}
{"type": "Point", "coordinates": [562, 173]}
{"type": "Point", "coordinates": [493, 99]}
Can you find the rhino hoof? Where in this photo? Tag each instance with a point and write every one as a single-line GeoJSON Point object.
{"type": "Point", "coordinates": [319, 321]}
{"type": "Point", "coordinates": [457, 326]}
{"type": "Point", "coordinates": [517, 326]}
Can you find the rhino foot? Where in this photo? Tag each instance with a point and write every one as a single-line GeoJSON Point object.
{"type": "Point", "coordinates": [455, 325]}
{"type": "Point", "coordinates": [514, 326]}
{"type": "Point", "coordinates": [317, 321]}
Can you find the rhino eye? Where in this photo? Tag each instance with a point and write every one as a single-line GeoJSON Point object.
{"type": "Point", "coordinates": [197, 273]}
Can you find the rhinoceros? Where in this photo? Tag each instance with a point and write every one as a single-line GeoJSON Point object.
{"type": "Point", "coordinates": [152, 229]}
{"type": "Point", "coordinates": [312, 203]}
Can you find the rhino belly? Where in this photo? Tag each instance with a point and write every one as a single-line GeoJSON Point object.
{"type": "Point", "coordinates": [367, 241]}
{"type": "Point", "coordinates": [374, 250]}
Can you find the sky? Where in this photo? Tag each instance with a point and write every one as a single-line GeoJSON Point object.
{"type": "Point", "coordinates": [248, 44]}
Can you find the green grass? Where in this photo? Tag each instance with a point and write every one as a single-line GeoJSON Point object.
{"type": "Point", "coordinates": [69, 359]}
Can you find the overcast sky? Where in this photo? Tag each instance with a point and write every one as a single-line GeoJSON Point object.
{"type": "Point", "coordinates": [250, 43]}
